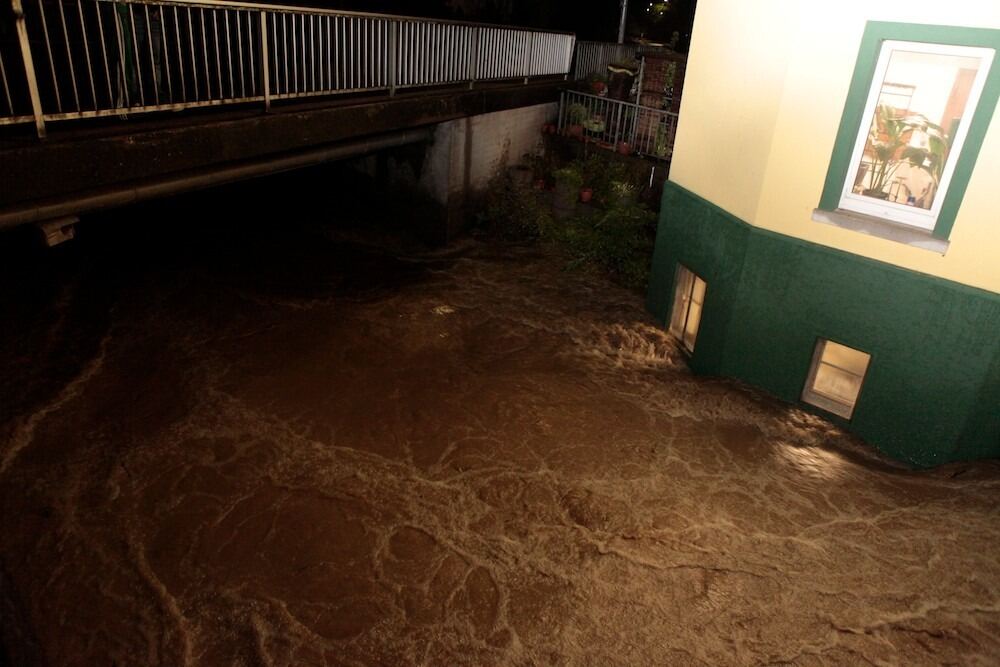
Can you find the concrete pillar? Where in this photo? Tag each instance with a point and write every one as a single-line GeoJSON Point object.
{"type": "Point", "coordinates": [446, 173]}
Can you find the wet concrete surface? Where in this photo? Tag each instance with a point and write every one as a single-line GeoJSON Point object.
{"type": "Point", "coordinates": [291, 441]}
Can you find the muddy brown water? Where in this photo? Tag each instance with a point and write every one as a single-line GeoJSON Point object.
{"type": "Point", "coordinates": [276, 439]}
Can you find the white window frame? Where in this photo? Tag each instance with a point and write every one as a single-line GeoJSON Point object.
{"type": "Point", "coordinates": [825, 401]}
{"type": "Point", "coordinates": [892, 211]}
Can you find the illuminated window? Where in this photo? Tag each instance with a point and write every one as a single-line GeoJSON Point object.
{"type": "Point", "coordinates": [835, 377]}
{"type": "Point", "coordinates": [914, 124]}
{"type": "Point", "coordinates": [919, 105]}
{"type": "Point", "coordinates": [689, 297]}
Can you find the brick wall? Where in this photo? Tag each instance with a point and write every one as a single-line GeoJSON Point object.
{"type": "Point", "coordinates": [657, 78]}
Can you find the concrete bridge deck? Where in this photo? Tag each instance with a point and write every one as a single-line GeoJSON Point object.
{"type": "Point", "coordinates": [80, 169]}
{"type": "Point", "coordinates": [259, 88]}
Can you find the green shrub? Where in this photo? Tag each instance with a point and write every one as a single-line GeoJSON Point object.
{"type": "Point", "coordinates": [615, 234]}
{"type": "Point", "coordinates": [576, 113]}
{"type": "Point", "coordinates": [617, 238]}
{"type": "Point", "coordinates": [570, 176]}
{"type": "Point", "coordinates": [512, 211]}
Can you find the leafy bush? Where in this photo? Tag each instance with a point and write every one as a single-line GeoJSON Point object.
{"type": "Point", "coordinates": [577, 113]}
{"type": "Point", "coordinates": [513, 212]}
{"type": "Point", "coordinates": [617, 238]}
{"type": "Point", "coordinates": [615, 234]}
{"type": "Point", "coordinates": [570, 176]}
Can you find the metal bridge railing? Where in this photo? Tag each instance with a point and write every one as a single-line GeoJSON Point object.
{"type": "Point", "coordinates": [69, 59]}
{"type": "Point", "coordinates": [649, 132]}
{"type": "Point", "coordinates": [594, 57]}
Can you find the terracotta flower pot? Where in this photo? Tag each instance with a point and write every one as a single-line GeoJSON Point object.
{"type": "Point", "coordinates": [586, 194]}
{"type": "Point", "coordinates": [575, 131]}
{"type": "Point", "coordinates": [624, 148]}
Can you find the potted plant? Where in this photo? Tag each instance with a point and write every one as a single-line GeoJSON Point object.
{"type": "Point", "coordinates": [624, 148]}
{"type": "Point", "coordinates": [597, 84]}
{"type": "Point", "coordinates": [624, 191]}
{"type": "Point", "coordinates": [594, 126]}
{"type": "Point", "coordinates": [586, 194]}
{"type": "Point", "coordinates": [576, 113]}
{"type": "Point", "coordinates": [890, 145]}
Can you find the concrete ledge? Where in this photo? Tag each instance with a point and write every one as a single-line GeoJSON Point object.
{"type": "Point", "coordinates": [83, 161]}
{"type": "Point", "coordinates": [883, 229]}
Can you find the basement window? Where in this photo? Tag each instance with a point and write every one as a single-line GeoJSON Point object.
{"type": "Point", "coordinates": [835, 377]}
{"type": "Point", "coordinates": [689, 298]}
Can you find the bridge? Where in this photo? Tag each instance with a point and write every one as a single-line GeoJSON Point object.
{"type": "Point", "coordinates": [106, 102]}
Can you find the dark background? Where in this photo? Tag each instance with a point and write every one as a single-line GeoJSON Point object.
{"type": "Point", "coordinates": [589, 19]}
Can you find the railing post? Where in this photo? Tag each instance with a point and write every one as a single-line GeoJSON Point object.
{"type": "Point", "coordinates": [569, 58]}
{"type": "Point", "coordinates": [531, 55]}
{"type": "Point", "coordinates": [392, 57]}
{"type": "Point", "coordinates": [634, 129]}
{"type": "Point", "coordinates": [265, 62]}
{"type": "Point", "coordinates": [29, 67]}
{"type": "Point", "coordinates": [618, 123]}
{"type": "Point", "coordinates": [474, 63]}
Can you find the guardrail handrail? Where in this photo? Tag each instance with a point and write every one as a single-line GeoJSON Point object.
{"type": "Point", "coordinates": [647, 131]}
{"type": "Point", "coordinates": [340, 12]}
{"type": "Point", "coordinates": [72, 59]}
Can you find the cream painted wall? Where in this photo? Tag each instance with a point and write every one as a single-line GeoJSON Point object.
{"type": "Point", "coordinates": [732, 89]}
{"type": "Point", "coordinates": [783, 126]}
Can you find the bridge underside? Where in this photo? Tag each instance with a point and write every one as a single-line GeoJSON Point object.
{"type": "Point", "coordinates": [83, 169]}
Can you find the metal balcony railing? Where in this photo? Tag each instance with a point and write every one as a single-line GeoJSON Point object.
{"type": "Point", "coordinates": [647, 131]}
{"type": "Point", "coordinates": [71, 59]}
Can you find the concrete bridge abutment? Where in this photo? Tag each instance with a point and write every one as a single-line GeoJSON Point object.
{"type": "Point", "coordinates": [447, 175]}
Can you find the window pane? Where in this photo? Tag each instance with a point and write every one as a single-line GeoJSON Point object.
{"type": "Point", "coordinates": [922, 101]}
{"type": "Point", "coordinates": [851, 360]}
{"type": "Point", "coordinates": [698, 294]}
{"type": "Point", "coordinates": [837, 384]}
{"type": "Point", "coordinates": [682, 294]}
{"type": "Point", "coordinates": [691, 330]}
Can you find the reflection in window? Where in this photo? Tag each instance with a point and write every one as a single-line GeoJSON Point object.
{"type": "Point", "coordinates": [689, 299]}
{"type": "Point", "coordinates": [918, 110]}
{"type": "Point", "coordinates": [835, 377]}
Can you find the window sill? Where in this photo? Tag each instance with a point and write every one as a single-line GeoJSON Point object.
{"type": "Point", "coordinates": [827, 404]}
{"type": "Point", "coordinates": [883, 229]}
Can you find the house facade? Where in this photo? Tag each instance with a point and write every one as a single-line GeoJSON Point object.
{"type": "Point", "coordinates": [830, 231]}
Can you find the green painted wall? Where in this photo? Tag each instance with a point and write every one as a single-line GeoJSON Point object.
{"type": "Point", "coordinates": [932, 393]}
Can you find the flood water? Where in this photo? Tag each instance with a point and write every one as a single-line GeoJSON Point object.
{"type": "Point", "coordinates": [262, 426]}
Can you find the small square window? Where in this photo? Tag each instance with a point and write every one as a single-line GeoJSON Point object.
{"type": "Point", "coordinates": [835, 377]}
{"type": "Point", "coordinates": [689, 299]}
{"type": "Point", "coordinates": [919, 108]}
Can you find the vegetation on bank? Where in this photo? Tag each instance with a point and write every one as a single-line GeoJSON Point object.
{"type": "Point", "coordinates": [589, 208]}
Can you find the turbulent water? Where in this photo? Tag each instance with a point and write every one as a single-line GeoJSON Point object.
{"type": "Point", "coordinates": [274, 437]}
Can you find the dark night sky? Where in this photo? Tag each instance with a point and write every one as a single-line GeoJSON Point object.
{"type": "Point", "coordinates": [589, 19]}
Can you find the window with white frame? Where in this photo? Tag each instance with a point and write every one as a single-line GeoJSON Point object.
{"type": "Point", "coordinates": [835, 377]}
{"type": "Point", "coordinates": [689, 299]}
{"type": "Point", "coordinates": [919, 108]}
